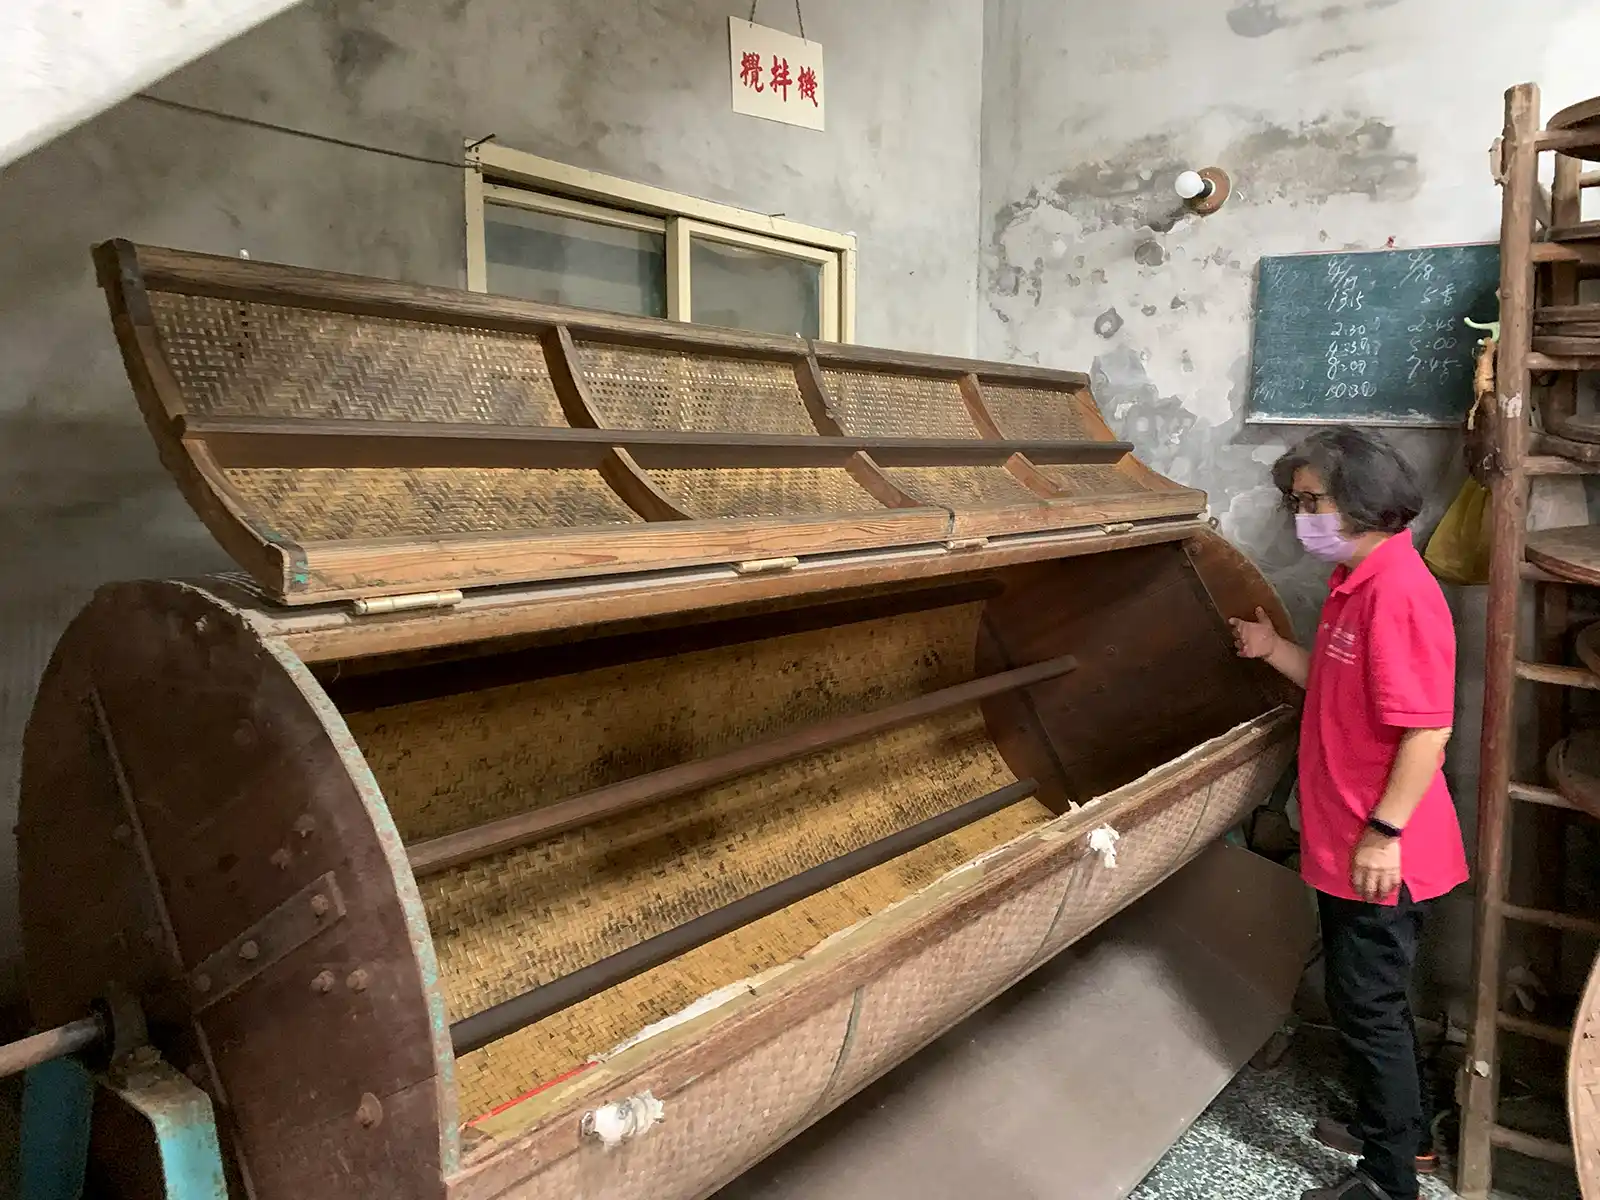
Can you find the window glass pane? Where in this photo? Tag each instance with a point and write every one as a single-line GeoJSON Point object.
{"type": "Point", "coordinates": [740, 288]}
{"type": "Point", "coordinates": [566, 260]}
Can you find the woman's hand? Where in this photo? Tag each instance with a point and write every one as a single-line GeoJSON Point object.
{"type": "Point", "coordinates": [1254, 639]}
{"type": "Point", "coordinates": [1375, 866]}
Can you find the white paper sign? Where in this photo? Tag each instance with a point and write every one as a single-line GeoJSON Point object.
{"type": "Point", "coordinates": [776, 75]}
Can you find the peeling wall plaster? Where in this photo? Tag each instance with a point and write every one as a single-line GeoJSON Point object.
{"type": "Point", "coordinates": [1341, 126]}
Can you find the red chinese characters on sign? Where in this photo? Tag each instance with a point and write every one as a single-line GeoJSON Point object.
{"type": "Point", "coordinates": [750, 71]}
{"type": "Point", "coordinates": [780, 76]}
{"type": "Point", "coordinates": [776, 76]}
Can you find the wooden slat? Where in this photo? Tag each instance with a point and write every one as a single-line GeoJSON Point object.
{"type": "Point", "coordinates": [1573, 677]}
{"type": "Point", "coordinates": [1554, 464]}
{"type": "Point", "coordinates": [1538, 361]}
{"type": "Point", "coordinates": [1589, 179]}
{"type": "Point", "coordinates": [1579, 143]}
{"type": "Point", "coordinates": [1538, 1030]}
{"type": "Point", "coordinates": [1587, 253]}
{"type": "Point", "coordinates": [1533, 1147]}
{"type": "Point", "coordinates": [1529, 793]}
{"type": "Point", "coordinates": [271, 442]}
{"type": "Point", "coordinates": [1580, 231]}
{"type": "Point", "coordinates": [1551, 920]}
{"type": "Point", "coordinates": [453, 850]}
{"type": "Point", "coordinates": [187, 273]}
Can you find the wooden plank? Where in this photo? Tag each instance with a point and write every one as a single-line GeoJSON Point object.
{"type": "Point", "coordinates": [270, 283]}
{"type": "Point", "coordinates": [1571, 553]}
{"type": "Point", "coordinates": [382, 566]}
{"type": "Point", "coordinates": [1584, 253]}
{"type": "Point", "coordinates": [863, 358]}
{"type": "Point", "coordinates": [1508, 508]}
{"type": "Point", "coordinates": [1562, 347]}
{"type": "Point", "coordinates": [271, 442]}
{"type": "Point", "coordinates": [1577, 231]}
{"type": "Point", "coordinates": [1532, 1147]}
{"type": "Point", "coordinates": [1538, 1030]}
{"type": "Point", "coordinates": [1559, 676]}
{"type": "Point", "coordinates": [1528, 793]}
{"type": "Point", "coordinates": [1577, 143]}
{"type": "Point", "coordinates": [1589, 179]}
{"type": "Point", "coordinates": [1551, 920]}
{"type": "Point", "coordinates": [1555, 464]}
{"type": "Point", "coordinates": [331, 633]}
{"type": "Point", "coordinates": [456, 849]}
{"type": "Point", "coordinates": [1539, 361]}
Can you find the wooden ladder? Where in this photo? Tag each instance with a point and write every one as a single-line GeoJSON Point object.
{"type": "Point", "coordinates": [1546, 249]}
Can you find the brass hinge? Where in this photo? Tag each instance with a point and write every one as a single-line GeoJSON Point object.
{"type": "Point", "coordinates": [373, 605]}
{"type": "Point", "coordinates": [759, 566]}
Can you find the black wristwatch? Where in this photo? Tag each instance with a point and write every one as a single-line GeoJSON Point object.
{"type": "Point", "coordinates": [1383, 827]}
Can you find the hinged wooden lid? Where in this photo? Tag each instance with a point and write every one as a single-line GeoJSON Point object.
{"type": "Point", "coordinates": [346, 437]}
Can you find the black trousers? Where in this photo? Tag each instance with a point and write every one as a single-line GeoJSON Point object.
{"type": "Point", "coordinates": [1369, 951]}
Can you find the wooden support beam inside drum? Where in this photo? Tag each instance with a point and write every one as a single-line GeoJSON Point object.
{"type": "Point", "coordinates": [255, 442]}
{"type": "Point", "coordinates": [454, 849]}
{"type": "Point", "coordinates": [505, 1018]}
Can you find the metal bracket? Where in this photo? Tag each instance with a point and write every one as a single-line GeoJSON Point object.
{"type": "Point", "coordinates": [315, 907]}
{"type": "Point", "coordinates": [971, 543]}
{"type": "Point", "coordinates": [1121, 527]}
{"type": "Point", "coordinates": [182, 1120]}
{"type": "Point", "coordinates": [57, 1103]}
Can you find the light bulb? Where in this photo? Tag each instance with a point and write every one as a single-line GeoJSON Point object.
{"type": "Point", "coordinates": [1190, 184]}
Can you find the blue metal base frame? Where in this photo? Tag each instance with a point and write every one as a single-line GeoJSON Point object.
{"type": "Point", "coordinates": [57, 1103]}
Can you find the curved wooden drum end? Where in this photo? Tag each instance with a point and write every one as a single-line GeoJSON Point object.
{"type": "Point", "coordinates": [197, 828]}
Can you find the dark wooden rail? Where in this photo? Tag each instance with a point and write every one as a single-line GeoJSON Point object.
{"type": "Point", "coordinates": [454, 849]}
{"type": "Point", "coordinates": [301, 443]}
{"type": "Point", "coordinates": [531, 1007]}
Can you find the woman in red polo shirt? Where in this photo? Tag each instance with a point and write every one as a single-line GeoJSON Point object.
{"type": "Point", "coordinates": [1379, 838]}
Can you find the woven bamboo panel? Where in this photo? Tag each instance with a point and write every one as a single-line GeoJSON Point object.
{"type": "Point", "coordinates": [1034, 413]}
{"type": "Point", "coordinates": [535, 914]}
{"type": "Point", "coordinates": [714, 1128]}
{"type": "Point", "coordinates": [1025, 413]}
{"type": "Point", "coordinates": [880, 404]}
{"type": "Point", "coordinates": [232, 358]}
{"type": "Point", "coordinates": [913, 1003]}
{"type": "Point", "coordinates": [310, 504]}
{"type": "Point", "coordinates": [657, 389]}
{"type": "Point", "coordinates": [764, 493]}
{"type": "Point", "coordinates": [961, 487]}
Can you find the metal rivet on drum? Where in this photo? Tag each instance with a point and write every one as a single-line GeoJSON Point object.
{"type": "Point", "coordinates": [370, 1112]}
{"type": "Point", "coordinates": [249, 952]}
{"type": "Point", "coordinates": [122, 832]}
{"type": "Point", "coordinates": [202, 983]}
{"type": "Point", "coordinates": [280, 858]}
{"type": "Point", "coordinates": [319, 905]}
{"type": "Point", "coordinates": [323, 982]}
{"type": "Point", "coordinates": [304, 826]}
{"type": "Point", "coordinates": [357, 982]}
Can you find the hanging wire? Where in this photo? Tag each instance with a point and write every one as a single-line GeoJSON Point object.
{"type": "Point", "coordinates": [798, 16]}
{"type": "Point", "coordinates": [253, 123]}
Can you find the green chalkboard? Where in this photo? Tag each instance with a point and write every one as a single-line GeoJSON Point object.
{"type": "Point", "coordinates": [1371, 337]}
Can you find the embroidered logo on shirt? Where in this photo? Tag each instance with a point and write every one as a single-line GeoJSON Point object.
{"type": "Point", "coordinates": [1341, 644]}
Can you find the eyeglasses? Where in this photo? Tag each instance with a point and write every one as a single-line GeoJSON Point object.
{"type": "Point", "coordinates": [1304, 502]}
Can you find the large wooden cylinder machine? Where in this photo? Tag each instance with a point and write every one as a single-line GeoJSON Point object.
{"type": "Point", "coordinates": [624, 740]}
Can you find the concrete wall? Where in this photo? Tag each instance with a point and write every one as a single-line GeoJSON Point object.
{"type": "Point", "coordinates": [1342, 125]}
{"type": "Point", "coordinates": [630, 87]}
{"type": "Point", "coordinates": [63, 63]}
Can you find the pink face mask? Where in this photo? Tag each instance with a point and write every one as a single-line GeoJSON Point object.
{"type": "Point", "coordinates": [1319, 533]}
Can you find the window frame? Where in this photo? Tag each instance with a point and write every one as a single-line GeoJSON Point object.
{"type": "Point", "coordinates": [497, 175]}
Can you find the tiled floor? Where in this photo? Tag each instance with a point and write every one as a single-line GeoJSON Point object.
{"type": "Point", "coordinates": [1255, 1143]}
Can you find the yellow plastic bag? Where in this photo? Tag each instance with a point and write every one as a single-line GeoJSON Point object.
{"type": "Point", "coordinates": [1458, 551]}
